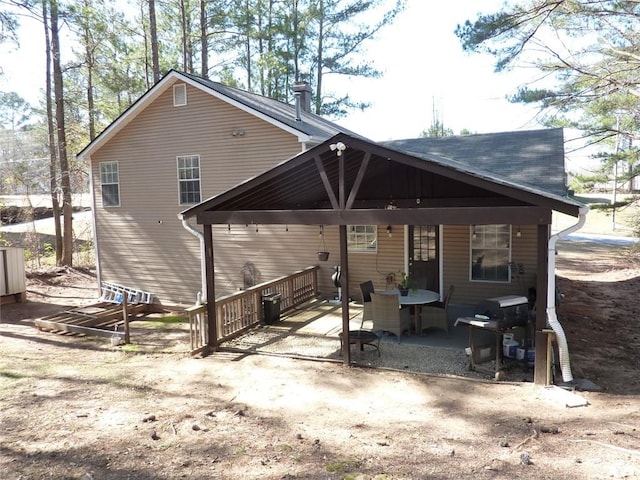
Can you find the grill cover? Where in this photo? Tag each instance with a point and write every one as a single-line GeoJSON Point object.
{"type": "Point", "coordinates": [509, 311]}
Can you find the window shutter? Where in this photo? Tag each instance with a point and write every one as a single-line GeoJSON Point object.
{"type": "Point", "coordinates": [179, 95]}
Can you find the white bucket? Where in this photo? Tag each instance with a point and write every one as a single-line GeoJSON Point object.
{"type": "Point", "coordinates": [531, 355]}
{"type": "Point", "coordinates": [507, 337]}
{"type": "Point", "coordinates": [509, 348]}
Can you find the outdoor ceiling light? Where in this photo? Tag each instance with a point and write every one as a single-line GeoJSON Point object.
{"type": "Point", "coordinates": [340, 147]}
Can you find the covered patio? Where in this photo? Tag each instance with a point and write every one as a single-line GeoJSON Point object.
{"type": "Point", "coordinates": [348, 180]}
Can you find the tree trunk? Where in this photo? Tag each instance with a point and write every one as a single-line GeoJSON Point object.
{"type": "Point", "coordinates": [185, 37]}
{"type": "Point", "coordinates": [320, 59]}
{"type": "Point", "coordinates": [153, 32]}
{"type": "Point", "coordinates": [89, 59]}
{"type": "Point", "coordinates": [53, 157]}
{"type": "Point", "coordinates": [204, 41]}
{"type": "Point", "coordinates": [65, 179]}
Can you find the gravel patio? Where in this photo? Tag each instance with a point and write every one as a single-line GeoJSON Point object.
{"type": "Point", "coordinates": [311, 331]}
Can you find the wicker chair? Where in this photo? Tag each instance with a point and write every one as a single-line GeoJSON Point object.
{"type": "Point", "coordinates": [388, 316]}
{"type": "Point", "coordinates": [367, 307]}
{"type": "Point", "coordinates": [434, 315]}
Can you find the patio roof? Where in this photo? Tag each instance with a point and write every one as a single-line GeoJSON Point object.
{"type": "Point", "coordinates": [370, 183]}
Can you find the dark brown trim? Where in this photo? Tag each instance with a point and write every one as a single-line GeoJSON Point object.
{"type": "Point", "coordinates": [540, 368]}
{"type": "Point", "coordinates": [344, 267]}
{"type": "Point", "coordinates": [398, 216]}
{"type": "Point", "coordinates": [325, 181]}
{"type": "Point", "coordinates": [212, 323]}
{"type": "Point", "coordinates": [358, 181]}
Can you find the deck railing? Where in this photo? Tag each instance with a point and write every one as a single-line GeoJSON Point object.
{"type": "Point", "coordinates": [242, 310]}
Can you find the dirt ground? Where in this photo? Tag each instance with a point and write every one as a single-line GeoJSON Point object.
{"type": "Point", "coordinates": [79, 408]}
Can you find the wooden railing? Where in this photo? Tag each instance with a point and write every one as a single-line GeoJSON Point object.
{"type": "Point", "coordinates": [242, 310]}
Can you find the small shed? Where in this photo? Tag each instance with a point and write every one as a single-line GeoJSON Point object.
{"type": "Point", "coordinates": [12, 275]}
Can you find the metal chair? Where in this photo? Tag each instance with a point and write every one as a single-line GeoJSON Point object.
{"type": "Point", "coordinates": [434, 315]}
{"type": "Point", "coordinates": [388, 316]}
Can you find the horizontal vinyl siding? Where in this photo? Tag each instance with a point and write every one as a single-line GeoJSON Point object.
{"type": "Point", "coordinates": [456, 265]}
{"type": "Point", "coordinates": [274, 251]}
{"type": "Point", "coordinates": [362, 266]}
{"type": "Point", "coordinates": [142, 244]}
{"type": "Point", "coordinates": [375, 267]}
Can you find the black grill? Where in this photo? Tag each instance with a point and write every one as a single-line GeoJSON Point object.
{"type": "Point", "coordinates": [509, 311]}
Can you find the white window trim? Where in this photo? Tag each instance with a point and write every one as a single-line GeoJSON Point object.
{"type": "Point", "coordinates": [365, 250]}
{"type": "Point", "coordinates": [117, 182]}
{"type": "Point", "coordinates": [510, 249]}
{"type": "Point", "coordinates": [189, 180]}
{"type": "Point", "coordinates": [180, 95]}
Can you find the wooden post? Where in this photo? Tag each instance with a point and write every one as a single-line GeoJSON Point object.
{"type": "Point", "coordinates": [540, 339]}
{"type": "Point", "coordinates": [212, 321]}
{"type": "Point", "coordinates": [125, 316]}
{"type": "Point", "coordinates": [344, 281]}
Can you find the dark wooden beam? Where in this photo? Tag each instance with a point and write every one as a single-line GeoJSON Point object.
{"type": "Point", "coordinates": [410, 216]}
{"type": "Point", "coordinates": [542, 285]}
{"type": "Point", "coordinates": [344, 281]}
{"type": "Point", "coordinates": [325, 181]}
{"type": "Point", "coordinates": [358, 181]}
{"type": "Point", "coordinates": [212, 323]}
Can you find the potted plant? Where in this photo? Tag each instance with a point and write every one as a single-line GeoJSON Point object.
{"type": "Point", "coordinates": [403, 286]}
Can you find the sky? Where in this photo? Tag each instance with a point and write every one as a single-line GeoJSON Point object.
{"type": "Point", "coordinates": [423, 66]}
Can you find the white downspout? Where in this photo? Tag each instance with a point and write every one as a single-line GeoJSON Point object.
{"type": "Point", "coordinates": [552, 317]}
{"type": "Point", "coordinates": [202, 295]}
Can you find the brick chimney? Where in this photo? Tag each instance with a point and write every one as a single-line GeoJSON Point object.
{"type": "Point", "coordinates": [302, 93]}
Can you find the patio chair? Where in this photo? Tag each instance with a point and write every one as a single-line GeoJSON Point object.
{"type": "Point", "coordinates": [388, 316]}
{"type": "Point", "coordinates": [434, 315]}
{"type": "Point", "coordinates": [367, 307]}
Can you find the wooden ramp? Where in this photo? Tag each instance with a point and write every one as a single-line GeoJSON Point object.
{"type": "Point", "coordinates": [102, 319]}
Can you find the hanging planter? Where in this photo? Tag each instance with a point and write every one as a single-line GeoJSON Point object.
{"type": "Point", "coordinates": [323, 255]}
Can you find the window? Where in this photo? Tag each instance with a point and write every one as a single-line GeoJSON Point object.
{"type": "Point", "coordinates": [110, 184]}
{"type": "Point", "coordinates": [362, 238]}
{"type": "Point", "coordinates": [189, 179]}
{"type": "Point", "coordinates": [179, 95]}
{"type": "Point", "coordinates": [490, 253]}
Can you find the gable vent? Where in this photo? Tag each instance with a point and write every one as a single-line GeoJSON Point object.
{"type": "Point", "coordinates": [179, 95]}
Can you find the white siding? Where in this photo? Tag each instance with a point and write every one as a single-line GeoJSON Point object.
{"type": "Point", "coordinates": [12, 276]}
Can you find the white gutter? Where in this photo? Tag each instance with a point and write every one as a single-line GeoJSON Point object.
{"type": "Point", "coordinates": [94, 225]}
{"type": "Point", "coordinates": [202, 295]}
{"type": "Point", "coordinates": [552, 317]}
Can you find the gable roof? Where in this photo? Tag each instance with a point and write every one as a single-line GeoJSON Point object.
{"type": "Point", "coordinates": [371, 183]}
{"type": "Point", "coordinates": [532, 157]}
{"type": "Point", "coordinates": [314, 126]}
{"type": "Point", "coordinates": [310, 128]}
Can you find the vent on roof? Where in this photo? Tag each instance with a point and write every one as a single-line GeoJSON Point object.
{"type": "Point", "coordinates": [179, 95]}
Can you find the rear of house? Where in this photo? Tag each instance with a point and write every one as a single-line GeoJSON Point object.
{"type": "Point", "coordinates": [188, 140]}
